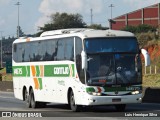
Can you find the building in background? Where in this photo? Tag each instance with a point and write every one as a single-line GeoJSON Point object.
{"type": "Point", "coordinates": [149, 15]}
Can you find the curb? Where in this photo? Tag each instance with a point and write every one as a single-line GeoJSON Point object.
{"type": "Point", "coordinates": [6, 86]}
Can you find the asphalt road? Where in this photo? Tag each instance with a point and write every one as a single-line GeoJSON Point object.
{"type": "Point", "coordinates": [16, 108]}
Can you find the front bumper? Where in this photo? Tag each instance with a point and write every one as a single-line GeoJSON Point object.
{"type": "Point", "coordinates": [110, 100]}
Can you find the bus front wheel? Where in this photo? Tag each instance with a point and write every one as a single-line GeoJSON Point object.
{"type": "Point", "coordinates": [73, 106]}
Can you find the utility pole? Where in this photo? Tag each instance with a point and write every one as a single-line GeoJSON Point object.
{"type": "Point", "coordinates": [110, 20]}
{"type": "Point", "coordinates": [111, 9]}
{"type": "Point", "coordinates": [91, 17]}
{"type": "Point", "coordinates": [18, 4]}
{"type": "Point", "coordinates": [1, 50]}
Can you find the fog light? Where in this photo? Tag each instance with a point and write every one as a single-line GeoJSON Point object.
{"type": "Point", "coordinates": [91, 100]}
{"type": "Point", "coordinates": [139, 99]}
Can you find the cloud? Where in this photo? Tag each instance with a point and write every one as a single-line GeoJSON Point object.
{"type": "Point", "coordinates": [2, 22]}
{"type": "Point", "coordinates": [137, 4]}
{"type": "Point", "coordinates": [48, 7]}
{"type": "Point", "coordinates": [4, 2]}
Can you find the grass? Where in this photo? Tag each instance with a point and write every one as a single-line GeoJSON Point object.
{"type": "Point", "coordinates": [5, 76]}
{"type": "Point", "coordinates": [152, 80]}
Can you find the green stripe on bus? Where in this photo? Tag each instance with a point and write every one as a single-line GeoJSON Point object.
{"type": "Point", "coordinates": [20, 71]}
{"type": "Point", "coordinates": [113, 89]}
{"type": "Point", "coordinates": [90, 89]}
{"type": "Point", "coordinates": [73, 70]}
{"type": "Point", "coordinates": [64, 70]}
{"type": "Point", "coordinates": [37, 71]}
{"type": "Point", "coordinates": [28, 71]}
{"type": "Point", "coordinates": [58, 70]}
{"type": "Point", "coordinates": [40, 83]}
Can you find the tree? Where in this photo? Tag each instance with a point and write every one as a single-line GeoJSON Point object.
{"type": "Point", "coordinates": [63, 21]}
{"type": "Point", "coordinates": [130, 29]}
{"type": "Point", "coordinates": [20, 31]}
{"type": "Point", "coordinates": [97, 26]}
{"type": "Point", "coordinates": [142, 28]}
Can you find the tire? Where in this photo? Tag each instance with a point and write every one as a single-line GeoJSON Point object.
{"type": "Point", "coordinates": [27, 99]}
{"type": "Point", "coordinates": [121, 107]}
{"type": "Point", "coordinates": [33, 103]}
{"type": "Point", "coordinates": [73, 106]}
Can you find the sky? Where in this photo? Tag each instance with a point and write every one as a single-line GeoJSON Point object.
{"type": "Point", "coordinates": [36, 13]}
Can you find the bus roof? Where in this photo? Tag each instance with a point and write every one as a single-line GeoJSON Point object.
{"type": "Point", "coordinates": [87, 32]}
{"type": "Point", "coordinates": [80, 32]}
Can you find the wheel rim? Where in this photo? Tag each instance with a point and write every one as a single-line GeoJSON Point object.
{"type": "Point", "coordinates": [26, 97]}
{"type": "Point", "coordinates": [72, 101]}
{"type": "Point", "coordinates": [32, 100]}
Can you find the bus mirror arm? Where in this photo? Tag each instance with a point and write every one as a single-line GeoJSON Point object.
{"type": "Point", "coordinates": [84, 60]}
{"type": "Point", "coordinates": [146, 57]}
{"type": "Point", "coordinates": [139, 51]}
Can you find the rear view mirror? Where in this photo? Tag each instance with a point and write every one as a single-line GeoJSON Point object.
{"type": "Point", "coordinates": [84, 60]}
{"type": "Point", "coordinates": [146, 57]}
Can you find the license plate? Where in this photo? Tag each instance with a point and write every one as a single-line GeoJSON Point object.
{"type": "Point", "coordinates": [116, 100]}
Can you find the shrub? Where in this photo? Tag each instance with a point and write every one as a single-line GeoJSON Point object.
{"type": "Point", "coordinates": [142, 28]}
{"type": "Point", "coordinates": [144, 38]}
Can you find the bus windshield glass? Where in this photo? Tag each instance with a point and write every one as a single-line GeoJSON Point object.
{"type": "Point", "coordinates": [111, 44]}
{"type": "Point", "coordinates": [113, 61]}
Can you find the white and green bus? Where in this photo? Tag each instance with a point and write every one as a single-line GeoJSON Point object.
{"type": "Point", "coordinates": [78, 67]}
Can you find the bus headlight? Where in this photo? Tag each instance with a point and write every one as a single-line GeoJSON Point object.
{"type": "Point", "coordinates": [135, 92]}
{"type": "Point", "coordinates": [95, 93]}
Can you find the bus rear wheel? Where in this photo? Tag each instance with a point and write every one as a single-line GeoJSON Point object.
{"type": "Point", "coordinates": [27, 99]}
{"type": "Point", "coordinates": [73, 106]}
{"type": "Point", "coordinates": [120, 107]}
{"type": "Point", "coordinates": [33, 103]}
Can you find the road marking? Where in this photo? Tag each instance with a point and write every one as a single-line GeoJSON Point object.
{"type": "Point", "coordinates": [6, 97]}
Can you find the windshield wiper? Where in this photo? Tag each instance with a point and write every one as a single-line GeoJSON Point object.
{"type": "Point", "coordinates": [89, 59]}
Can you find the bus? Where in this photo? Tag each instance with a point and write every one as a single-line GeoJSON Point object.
{"type": "Point", "coordinates": [78, 67]}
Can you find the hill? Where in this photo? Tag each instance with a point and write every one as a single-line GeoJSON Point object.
{"type": "Point", "coordinates": [151, 42]}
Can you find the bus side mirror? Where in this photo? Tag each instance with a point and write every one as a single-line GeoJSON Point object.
{"type": "Point", "coordinates": [84, 60]}
{"type": "Point", "coordinates": [146, 57]}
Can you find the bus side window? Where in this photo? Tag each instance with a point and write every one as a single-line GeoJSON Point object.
{"type": "Point", "coordinates": [78, 60]}
{"type": "Point", "coordinates": [69, 43]}
{"type": "Point", "coordinates": [15, 52]}
{"type": "Point", "coordinates": [52, 51]}
{"type": "Point", "coordinates": [26, 53]}
{"type": "Point", "coordinates": [65, 49]}
{"type": "Point", "coordinates": [19, 52]}
{"type": "Point", "coordinates": [15, 48]}
{"type": "Point", "coordinates": [60, 52]}
{"type": "Point", "coordinates": [54, 55]}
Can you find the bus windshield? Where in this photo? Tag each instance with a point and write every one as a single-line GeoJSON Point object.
{"type": "Point", "coordinates": [113, 61]}
{"type": "Point", "coordinates": [111, 44]}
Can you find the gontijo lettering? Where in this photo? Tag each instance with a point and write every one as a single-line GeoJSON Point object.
{"type": "Point", "coordinates": [61, 70]}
